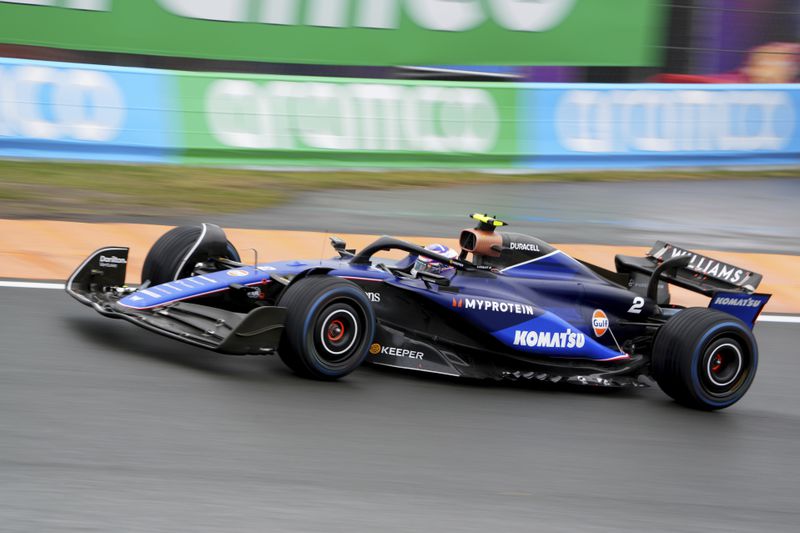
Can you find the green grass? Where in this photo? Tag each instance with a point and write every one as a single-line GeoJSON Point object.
{"type": "Point", "coordinates": [69, 189]}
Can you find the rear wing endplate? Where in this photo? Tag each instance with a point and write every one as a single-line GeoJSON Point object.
{"type": "Point", "coordinates": [745, 307]}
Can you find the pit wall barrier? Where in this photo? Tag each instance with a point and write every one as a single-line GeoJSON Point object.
{"type": "Point", "coordinates": [85, 112]}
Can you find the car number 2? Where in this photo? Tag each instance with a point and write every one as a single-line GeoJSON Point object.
{"type": "Point", "coordinates": [638, 304]}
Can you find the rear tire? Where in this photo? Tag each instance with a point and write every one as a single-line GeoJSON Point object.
{"type": "Point", "coordinates": [704, 359]}
{"type": "Point", "coordinates": [167, 259]}
{"type": "Point", "coordinates": [329, 327]}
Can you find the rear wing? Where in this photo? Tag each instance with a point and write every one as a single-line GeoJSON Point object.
{"type": "Point", "coordinates": [706, 273]}
{"type": "Point", "coordinates": [685, 269]}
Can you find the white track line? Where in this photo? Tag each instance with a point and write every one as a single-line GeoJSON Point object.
{"type": "Point", "coordinates": [788, 319]}
{"type": "Point", "coordinates": [31, 285]}
{"type": "Point", "coordinates": [784, 319]}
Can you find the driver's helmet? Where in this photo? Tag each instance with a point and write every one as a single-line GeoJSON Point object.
{"type": "Point", "coordinates": [426, 264]}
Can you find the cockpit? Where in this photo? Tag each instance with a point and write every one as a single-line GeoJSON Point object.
{"type": "Point", "coordinates": [490, 251]}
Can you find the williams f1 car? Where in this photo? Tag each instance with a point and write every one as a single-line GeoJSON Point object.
{"type": "Point", "coordinates": [513, 307]}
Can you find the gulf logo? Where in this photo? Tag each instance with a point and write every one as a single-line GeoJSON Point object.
{"type": "Point", "coordinates": [599, 322]}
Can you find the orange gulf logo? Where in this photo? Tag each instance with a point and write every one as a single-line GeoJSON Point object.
{"type": "Point", "coordinates": [599, 322]}
{"type": "Point", "coordinates": [375, 349]}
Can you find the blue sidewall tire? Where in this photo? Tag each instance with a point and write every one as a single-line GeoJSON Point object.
{"type": "Point", "coordinates": [306, 300]}
{"type": "Point", "coordinates": [699, 353]}
{"type": "Point", "coordinates": [680, 349]}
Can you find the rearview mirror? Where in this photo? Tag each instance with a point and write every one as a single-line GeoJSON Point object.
{"type": "Point", "coordinates": [430, 277]}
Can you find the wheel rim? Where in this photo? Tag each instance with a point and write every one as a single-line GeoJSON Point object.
{"type": "Point", "coordinates": [336, 330]}
{"type": "Point", "coordinates": [724, 367]}
{"type": "Point", "coordinates": [337, 333]}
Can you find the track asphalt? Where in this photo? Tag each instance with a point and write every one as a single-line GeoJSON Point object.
{"type": "Point", "coordinates": [104, 427]}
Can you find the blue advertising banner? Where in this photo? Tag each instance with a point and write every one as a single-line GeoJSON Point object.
{"type": "Point", "coordinates": [88, 112]}
{"type": "Point", "coordinates": [650, 125]}
{"type": "Point", "coordinates": [70, 111]}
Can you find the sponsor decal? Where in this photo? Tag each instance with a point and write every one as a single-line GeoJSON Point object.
{"type": "Point", "coordinates": [707, 266]}
{"type": "Point", "coordinates": [599, 322]}
{"type": "Point", "coordinates": [526, 246]}
{"type": "Point", "coordinates": [644, 284]}
{"type": "Point", "coordinates": [494, 306]}
{"type": "Point", "coordinates": [83, 5]}
{"type": "Point", "coordinates": [436, 15]}
{"type": "Point", "coordinates": [675, 121]}
{"type": "Point", "coordinates": [545, 339]}
{"type": "Point", "coordinates": [61, 104]}
{"type": "Point", "coordinates": [737, 302]}
{"type": "Point", "coordinates": [374, 297]}
{"type": "Point", "coordinates": [744, 306]}
{"type": "Point", "coordinates": [401, 352]}
{"type": "Point", "coordinates": [266, 268]}
{"type": "Point", "coordinates": [111, 261]}
{"type": "Point", "coordinates": [377, 349]}
{"type": "Point", "coordinates": [238, 273]}
{"type": "Point", "coordinates": [353, 117]}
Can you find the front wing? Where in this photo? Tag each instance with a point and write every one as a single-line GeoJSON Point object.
{"type": "Point", "coordinates": [99, 283]}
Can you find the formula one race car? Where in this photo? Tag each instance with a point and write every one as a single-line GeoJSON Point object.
{"type": "Point", "coordinates": [517, 309]}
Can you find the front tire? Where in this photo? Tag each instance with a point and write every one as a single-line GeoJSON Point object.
{"type": "Point", "coordinates": [175, 253]}
{"type": "Point", "coordinates": [329, 327]}
{"type": "Point", "coordinates": [704, 359]}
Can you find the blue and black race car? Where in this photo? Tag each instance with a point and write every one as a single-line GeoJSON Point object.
{"type": "Point", "coordinates": [506, 306]}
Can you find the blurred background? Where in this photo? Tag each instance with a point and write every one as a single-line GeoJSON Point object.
{"type": "Point", "coordinates": [689, 37]}
{"type": "Point", "coordinates": [361, 84]}
{"type": "Point", "coordinates": [601, 126]}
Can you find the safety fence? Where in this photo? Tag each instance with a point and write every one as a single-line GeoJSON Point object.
{"type": "Point", "coordinates": [87, 112]}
